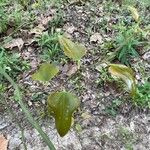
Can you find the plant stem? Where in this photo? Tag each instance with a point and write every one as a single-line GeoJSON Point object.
{"type": "Point", "coordinates": [26, 112]}
{"type": "Point", "coordinates": [79, 64]}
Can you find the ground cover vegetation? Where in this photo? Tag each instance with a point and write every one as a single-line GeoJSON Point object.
{"type": "Point", "coordinates": [55, 54]}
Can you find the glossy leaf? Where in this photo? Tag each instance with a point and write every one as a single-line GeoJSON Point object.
{"type": "Point", "coordinates": [126, 74]}
{"type": "Point", "coordinates": [73, 50]}
{"type": "Point", "coordinates": [61, 106]}
{"type": "Point", "coordinates": [134, 13]}
{"type": "Point", "coordinates": [46, 72]}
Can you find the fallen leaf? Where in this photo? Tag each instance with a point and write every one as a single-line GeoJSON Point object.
{"type": "Point", "coordinates": [38, 30]}
{"type": "Point", "coordinates": [70, 29]}
{"type": "Point", "coordinates": [126, 74]}
{"type": "Point", "coordinates": [10, 30]}
{"type": "Point", "coordinates": [26, 55]}
{"type": "Point", "coordinates": [96, 37]}
{"type": "Point", "coordinates": [69, 69]}
{"type": "Point", "coordinates": [46, 20]}
{"type": "Point", "coordinates": [73, 50]}
{"type": "Point", "coordinates": [14, 43]}
{"type": "Point", "coordinates": [101, 66]}
{"type": "Point", "coordinates": [72, 70]}
{"type": "Point", "coordinates": [30, 41]}
{"type": "Point", "coordinates": [34, 63]}
{"type": "Point", "coordinates": [146, 56]}
{"type": "Point", "coordinates": [3, 143]}
{"type": "Point", "coordinates": [61, 105]}
{"type": "Point", "coordinates": [46, 72]}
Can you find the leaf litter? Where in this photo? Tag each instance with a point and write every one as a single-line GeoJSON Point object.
{"type": "Point", "coordinates": [100, 130]}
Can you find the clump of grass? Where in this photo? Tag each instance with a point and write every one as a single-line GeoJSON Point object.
{"type": "Point", "coordinates": [114, 107]}
{"type": "Point", "coordinates": [127, 41]}
{"type": "Point", "coordinates": [4, 17]}
{"type": "Point", "coordinates": [12, 17]}
{"type": "Point", "coordinates": [12, 63]}
{"type": "Point", "coordinates": [50, 47]}
{"type": "Point", "coordinates": [143, 95]}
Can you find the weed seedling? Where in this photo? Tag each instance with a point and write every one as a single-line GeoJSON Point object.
{"type": "Point", "coordinates": [143, 97]}
{"type": "Point", "coordinates": [127, 41]}
{"type": "Point", "coordinates": [49, 45]}
{"type": "Point", "coordinates": [61, 104]}
{"type": "Point", "coordinates": [4, 20]}
{"type": "Point", "coordinates": [12, 63]}
{"type": "Point", "coordinates": [113, 109]}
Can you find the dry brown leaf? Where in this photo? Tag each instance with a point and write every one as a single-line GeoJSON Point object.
{"type": "Point", "coordinates": [14, 43]}
{"type": "Point", "coordinates": [3, 143]}
{"type": "Point", "coordinates": [38, 30]}
{"type": "Point", "coordinates": [72, 70]}
{"type": "Point", "coordinates": [29, 41]}
{"type": "Point", "coordinates": [46, 20]}
{"type": "Point", "coordinates": [34, 63]}
{"type": "Point", "coordinates": [69, 69]}
{"type": "Point", "coordinates": [10, 31]}
{"type": "Point", "coordinates": [26, 55]}
{"type": "Point", "coordinates": [146, 56]}
{"type": "Point", "coordinates": [70, 29]}
{"type": "Point", "coordinates": [96, 37]}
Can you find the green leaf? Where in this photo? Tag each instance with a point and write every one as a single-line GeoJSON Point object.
{"type": "Point", "coordinates": [46, 72]}
{"type": "Point", "coordinates": [126, 74]}
{"type": "Point", "coordinates": [61, 106]}
{"type": "Point", "coordinates": [73, 50]}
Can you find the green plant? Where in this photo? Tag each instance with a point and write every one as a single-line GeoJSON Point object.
{"type": "Point", "coordinates": [113, 108]}
{"type": "Point", "coordinates": [57, 21]}
{"type": "Point", "coordinates": [73, 50]}
{"type": "Point", "coordinates": [17, 16]}
{"type": "Point", "coordinates": [143, 96]}
{"type": "Point", "coordinates": [129, 38]}
{"type": "Point", "coordinates": [4, 19]}
{"type": "Point", "coordinates": [18, 99]}
{"type": "Point", "coordinates": [50, 47]}
{"type": "Point", "coordinates": [127, 137]}
{"type": "Point", "coordinates": [135, 2]}
{"type": "Point", "coordinates": [126, 74]}
{"type": "Point", "coordinates": [127, 41]}
{"type": "Point", "coordinates": [61, 104]}
{"type": "Point", "coordinates": [12, 18]}
{"type": "Point", "coordinates": [104, 75]}
{"type": "Point", "coordinates": [12, 63]}
{"type": "Point", "coordinates": [24, 3]}
{"type": "Point", "coordinates": [140, 94]}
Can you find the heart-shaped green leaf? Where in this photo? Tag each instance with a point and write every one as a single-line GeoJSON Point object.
{"type": "Point", "coordinates": [126, 74]}
{"type": "Point", "coordinates": [46, 72]}
{"type": "Point", "coordinates": [73, 50]}
{"type": "Point", "coordinates": [61, 106]}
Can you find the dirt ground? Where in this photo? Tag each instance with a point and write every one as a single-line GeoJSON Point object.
{"type": "Point", "coordinates": [95, 126]}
